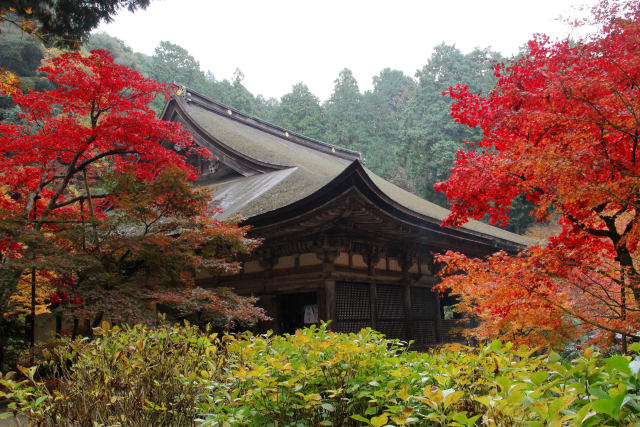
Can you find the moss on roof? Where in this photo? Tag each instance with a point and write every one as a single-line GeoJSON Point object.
{"type": "Point", "coordinates": [427, 208]}
{"type": "Point", "coordinates": [257, 194]}
{"type": "Point", "coordinates": [309, 171]}
{"type": "Point", "coordinates": [265, 146]}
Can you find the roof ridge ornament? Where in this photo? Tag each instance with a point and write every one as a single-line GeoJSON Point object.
{"type": "Point", "coordinates": [181, 91]}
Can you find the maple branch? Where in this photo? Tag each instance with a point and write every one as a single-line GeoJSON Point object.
{"type": "Point", "coordinates": [621, 68]}
{"type": "Point", "coordinates": [67, 177]}
{"type": "Point", "coordinates": [573, 313]}
{"type": "Point", "coordinates": [625, 202]}
{"type": "Point", "coordinates": [583, 227]}
{"type": "Point", "coordinates": [600, 113]}
{"type": "Point", "coordinates": [102, 155]}
{"type": "Point", "coordinates": [625, 102]}
{"type": "Point", "coordinates": [79, 199]}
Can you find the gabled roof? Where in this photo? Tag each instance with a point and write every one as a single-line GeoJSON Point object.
{"type": "Point", "coordinates": [278, 173]}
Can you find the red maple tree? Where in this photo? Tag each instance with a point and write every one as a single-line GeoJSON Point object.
{"type": "Point", "coordinates": [96, 192]}
{"type": "Point", "coordinates": [562, 127]}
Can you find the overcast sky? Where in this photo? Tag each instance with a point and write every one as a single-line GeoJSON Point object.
{"type": "Point", "coordinates": [277, 43]}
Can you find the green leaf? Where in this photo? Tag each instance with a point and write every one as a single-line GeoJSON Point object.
{"type": "Point", "coordinates": [360, 418]}
{"type": "Point", "coordinates": [371, 410]}
{"type": "Point", "coordinates": [554, 357]}
{"type": "Point", "coordinates": [583, 414]}
{"type": "Point", "coordinates": [619, 363]}
{"type": "Point", "coordinates": [611, 406]}
{"type": "Point", "coordinates": [599, 393]}
{"type": "Point", "coordinates": [40, 400]}
{"type": "Point", "coordinates": [328, 406]}
{"type": "Point", "coordinates": [539, 377]}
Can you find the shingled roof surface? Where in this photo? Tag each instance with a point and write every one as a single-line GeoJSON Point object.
{"type": "Point", "coordinates": [306, 167]}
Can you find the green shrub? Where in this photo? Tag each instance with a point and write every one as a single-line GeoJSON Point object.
{"type": "Point", "coordinates": [317, 377]}
{"type": "Point", "coordinates": [134, 376]}
{"type": "Point", "coordinates": [179, 376]}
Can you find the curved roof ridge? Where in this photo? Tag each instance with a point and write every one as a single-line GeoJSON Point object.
{"type": "Point", "coordinates": [224, 110]}
{"type": "Point", "coordinates": [490, 234]}
{"type": "Point", "coordinates": [254, 164]}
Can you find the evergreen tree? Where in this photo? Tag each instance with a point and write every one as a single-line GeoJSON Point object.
{"type": "Point", "coordinates": [173, 63]}
{"type": "Point", "coordinates": [431, 136]}
{"type": "Point", "coordinates": [300, 112]}
{"type": "Point", "coordinates": [343, 112]}
{"type": "Point", "coordinates": [240, 98]}
{"type": "Point", "coordinates": [121, 53]}
{"type": "Point", "coordinates": [383, 112]}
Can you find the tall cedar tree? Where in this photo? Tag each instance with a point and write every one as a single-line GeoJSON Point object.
{"type": "Point", "coordinates": [64, 22]}
{"type": "Point", "coordinates": [561, 127]}
{"type": "Point", "coordinates": [96, 194]}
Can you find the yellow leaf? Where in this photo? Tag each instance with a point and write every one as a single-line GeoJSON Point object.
{"type": "Point", "coordinates": [380, 420]}
{"type": "Point", "coordinates": [403, 393]}
{"type": "Point", "coordinates": [427, 401]}
{"type": "Point", "coordinates": [452, 398]}
{"type": "Point", "coordinates": [434, 394]}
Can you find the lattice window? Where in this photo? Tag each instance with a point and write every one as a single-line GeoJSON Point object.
{"type": "Point", "coordinates": [422, 303]}
{"type": "Point", "coordinates": [353, 302]}
{"type": "Point", "coordinates": [450, 330]}
{"type": "Point", "coordinates": [389, 302]}
{"type": "Point", "coordinates": [346, 326]}
{"type": "Point", "coordinates": [392, 329]}
{"type": "Point", "coordinates": [390, 311]}
{"type": "Point", "coordinates": [425, 332]}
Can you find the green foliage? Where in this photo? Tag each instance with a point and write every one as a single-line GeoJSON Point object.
{"type": "Point", "coordinates": [171, 62]}
{"type": "Point", "coordinates": [122, 54]}
{"type": "Point", "coordinates": [317, 377]}
{"type": "Point", "coordinates": [133, 376]}
{"type": "Point", "coordinates": [13, 342]}
{"type": "Point", "coordinates": [173, 375]}
{"type": "Point", "coordinates": [21, 54]}
{"type": "Point", "coordinates": [300, 112]}
{"type": "Point", "coordinates": [431, 136]}
{"type": "Point", "coordinates": [343, 110]}
{"type": "Point", "coordinates": [66, 22]}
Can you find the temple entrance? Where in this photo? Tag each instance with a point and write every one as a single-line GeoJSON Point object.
{"type": "Point", "coordinates": [296, 311]}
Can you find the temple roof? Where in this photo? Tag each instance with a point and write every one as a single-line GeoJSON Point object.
{"type": "Point", "coordinates": [271, 172]}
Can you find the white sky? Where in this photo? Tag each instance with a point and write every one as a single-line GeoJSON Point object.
{"type": "Point", "coordinates": [277, 43]}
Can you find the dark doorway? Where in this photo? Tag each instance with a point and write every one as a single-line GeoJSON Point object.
{"type": "Point", "coordinates": [297, 311]}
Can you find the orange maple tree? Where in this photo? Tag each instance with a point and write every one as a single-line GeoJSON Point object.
{"type": "Point", "coordinates": [562, 127]}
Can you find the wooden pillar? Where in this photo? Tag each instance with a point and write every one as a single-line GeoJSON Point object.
{"type": "Point", "coordinates": [438, 320]}
{"type": "Point", "coordinates": [410, 330]}
{"type": "Point", "coordinates": [328, 255]}
{"type": "Point", "coordinates": [437, 317]}
{"type": "Point", "coordinates": [372, 259]}
{"type": "Point", "coordinates": [267, 262]}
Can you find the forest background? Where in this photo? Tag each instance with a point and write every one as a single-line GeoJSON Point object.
{"type": "Point", "coordinates": [402, 127]}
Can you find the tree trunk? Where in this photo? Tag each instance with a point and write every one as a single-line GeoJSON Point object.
{"type": "Point", "coordinates": [74, 333]}
{"type": "Point", "coordinates": [9, 278]}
